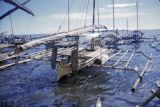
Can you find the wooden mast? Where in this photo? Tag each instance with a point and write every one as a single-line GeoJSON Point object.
{"type": "Point", "coordinates": [127, 25]}
{"type": "Point", "coordinates": [94, 4]}
{"type": "Point", "coordinates": [10, 17]}
{"type": "Point", "coordinates": [68, 16]}
{"type": "Point", "coordinates": [113, 16]}
{"type": "Point", "coordinates": [98, 11]}
{"type": "Point", "coordinates": [137, 15]}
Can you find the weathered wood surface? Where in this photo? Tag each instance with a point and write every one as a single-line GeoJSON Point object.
{"type": "Point", "coordinates": [90, 57]}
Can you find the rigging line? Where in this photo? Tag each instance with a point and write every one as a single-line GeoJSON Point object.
{"type": "Point", "coordinates": [76, 23]}
{"type": "Point", "coordinates": [82, 14]}
{"type": "Point", "coordinates": [60, 27]}
{"type": "Point", "coordinates": [86, 14]}
{"type": "Point", "coordinates": [29, 24]}
{"type": "Point", "coordinates": [63, 21]}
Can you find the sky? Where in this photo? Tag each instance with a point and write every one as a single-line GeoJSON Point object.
{"type": "Point", "coordinates": [51, 14]}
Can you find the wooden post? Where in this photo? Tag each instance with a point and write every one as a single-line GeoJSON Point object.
{"type": "Point", "coordinates": [74, 61]}
{"type": "Point", "coordinates": [54, 55]}
{"type": "Point", "coordinates": [74, 57]}
{"type": "Point", "coordinates": [92, 44]}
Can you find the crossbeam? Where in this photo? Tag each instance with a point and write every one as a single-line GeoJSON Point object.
{"type": "Point", "coordinates": [115, 54]}
{"type": "Point", "coordinates": [129, 59]}
{"type": "Point", "coordinates": [120, 58]}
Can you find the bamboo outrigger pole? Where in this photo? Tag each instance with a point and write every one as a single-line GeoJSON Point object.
{"type": "Point", "coordinates": [141, 75]}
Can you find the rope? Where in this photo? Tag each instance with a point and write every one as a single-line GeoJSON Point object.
{"type": "Point", "coordinates": [82, 14]}
{"type": "Point", "coordinates": [79, 12]}
{"type": "Point", "coordinates": [86, 13]}
{"type": "Point", "coordinates": [29, 24]}
{"type": "Point", "coordinates": [60, 27]}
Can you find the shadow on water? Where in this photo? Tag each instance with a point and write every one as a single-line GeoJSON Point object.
{"type": "Point", "coordinates": [83, 88]}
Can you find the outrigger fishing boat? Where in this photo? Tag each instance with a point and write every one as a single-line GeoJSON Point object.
{"type": "Point", "coordinates": [82, 55]}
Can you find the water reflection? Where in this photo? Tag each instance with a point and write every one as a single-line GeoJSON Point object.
{"type": "Point", "coordinates": [83, 88]}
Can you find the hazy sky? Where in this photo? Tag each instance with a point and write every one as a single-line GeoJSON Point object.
{"type": "Point", "coordinates": [49, 14]}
